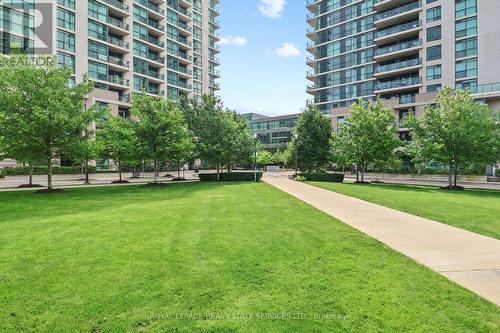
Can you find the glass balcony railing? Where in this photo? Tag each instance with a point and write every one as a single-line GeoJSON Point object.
{"type": "Point", "coordinates": [118, 61]}
{"type": "Point", "coordinates": [117, 42]}
{"type": "Point", "coordinates": [398, 47]}
{"type": "Point", "coordinates": [117, 23]}
{"type": "Point", "coordinates": [153, 7]}
{"type": "Point", "coordinates": [398, 28]}
{"type": "Point", "coordinates": [485, 88]}
{"type": "Point", "coordinates": [399, 65]}
{"type": "Point", "coordinates": [117, 4]}
{"type": "Point", "coordinates": [398, 10]}
{"type": "Point", "coordinates": [410, 81]}
{"type": "Point", "coordinates": [109, 78]}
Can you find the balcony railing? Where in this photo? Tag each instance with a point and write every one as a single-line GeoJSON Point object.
{"type": "Point", "coordinates": [117, 42]}
{"type": "Point", "coordinates": [398, 28]}
{"type": "Point", "coordinates": [117, 4]}
{"type": "Point", "coordinates": [109, 78]}
{"type": "Point", "coordinates": [398, 47]}
{"type": "Point", "coordinates": [411, 81]}
{"type": "Point", "coordinates": [154, 7]}
{"type": "Point", "coordinates": [398, 10]}
{"type": "Point", "coordinates": [118, 61]}
{"type": "Point", "coordinates": [486, 88]}
{"type": "Point", "coordinates": [117, 23]}
{"type": "Point", "coordinates": [399, 65]}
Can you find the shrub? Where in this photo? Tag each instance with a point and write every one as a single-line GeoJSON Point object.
{"type": "Point", "coordinates": [40, 171]}
{"type": "Point", "coordinates": [300, 178]}
{"type": "Point", "coordinates": [231, 177]}
{"type": "Point", "coordinates": [323, 177]}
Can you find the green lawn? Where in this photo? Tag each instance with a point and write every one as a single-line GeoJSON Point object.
{"type": "Point", "coordinates": [136, 259]}
{"type": "Point", "coordinates": [473, 210]}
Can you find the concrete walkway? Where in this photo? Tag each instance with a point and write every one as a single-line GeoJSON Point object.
{"type": "Point", "coordinates": [469, 259]}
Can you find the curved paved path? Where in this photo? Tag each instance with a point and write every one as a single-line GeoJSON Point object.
{"type": "Point", "coordinates": [469, 259]}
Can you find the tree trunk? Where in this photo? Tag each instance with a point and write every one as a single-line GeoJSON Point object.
{"type": "Point", "coordinates": [155, 171]}
{"type": "Point", "coordinates": [456, 174]}
{"type": "Point", "coordinates": [357, 173]}
{"type": "Point", "coordinates": [363, 173]}
{"type": "Point", "coordinates": [87, 181]}
{"type": "Point", "coordinates": [49, 174]}
{"type": "Point", "coordinates": [179, 169]}
{"type": "Point", "coordinates": [450, 174]}
{"type": "Point", "coordinates": [30, 181]}
{"type": "Point", "coordinates": [218, 172]}
{"type": "Point", "coordinates": [229, 167]}
{"type": "Point", "coordinates": [120, 170]}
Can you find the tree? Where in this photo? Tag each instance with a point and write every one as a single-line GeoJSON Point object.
{"type": "Point", "coordinates": [117, 138]}
{"type": "Point", "coordinates": [159, 126]}
{"type": "Point", "coordinates": [222, 136]}
{"type": "Point", "coordinates": [313, 131]}
{"type": "Point", "coordinates": [456, 131]}
{"type": "Point", "coordinates": [264, 158]}
{"type": "Point", "coordinates": [47, 113]}
{"type": "Point", "coordinates": [368, 136]}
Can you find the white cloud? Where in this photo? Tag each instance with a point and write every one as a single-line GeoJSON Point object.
{"type": "Point", "coordinates": [233, 40]}
{"type": "Point", "coordinates": [272, 8]}
{"type": "Point", "coordinates": [287, 50]}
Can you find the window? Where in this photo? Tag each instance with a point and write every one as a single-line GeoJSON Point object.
{"type": "Point", "coordinates": [430, 1]}
{"type": "Point", "coordinates": [465, 8]}
{"type": "Point", "coordinates": [66, 60]}
{"type": "Point", "coordinates": [98, 71]}
{"type": "Point", "coordinates": [466, 48]}
{"type": "Point", "coordinates": [466, 68]}
{"type": "Point", "coordinates": [433, 87]}
{"type": "Point", "coordinates": [433, 14]}
{"type": "Point", "coordinates": [65, 41]}
{"type": "Point", "coordinates": [98, 51]}
{"type": "Point", "coordinates": [65, 19]}
{"type": "Point", "coordinates": [434, 52]}
{"type": "Point", "coordinates": [434, 33]}
{"type": "Point", "coordinates": [434, 72]}
{"type": "Point", "coordinates": [467, 84]}
{"type": "Point", "coordinates": [467, 27]}
{"type": "Point", "coordinates": [67, 3]}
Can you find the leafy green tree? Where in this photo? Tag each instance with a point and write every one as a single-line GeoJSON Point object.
{"type": "Point", "coordinates": [368, 137]}
{"type": "Point", "coordinates": [117, 138]}
{"type": "Point", "coordinates": [313, 131]}
{"type": "Point", "coordinates": [160, 128]}
{"type": "Point", "coordinates": [457, 131]}
{"type": "Point", "coordinates": [47, 113]}
{"type": "Point", "coordinates": [264, 158]}
{"type": "Point", "coordinates": [222, 137]}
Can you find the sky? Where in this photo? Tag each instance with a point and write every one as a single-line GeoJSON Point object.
{"type": "Point", "coordinates": [263, 54]}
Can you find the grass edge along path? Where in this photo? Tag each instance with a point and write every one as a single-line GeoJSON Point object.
{"type": "Point", "coordinates": [473, 210]}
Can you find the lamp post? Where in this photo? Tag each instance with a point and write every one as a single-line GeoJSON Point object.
{"type": "Point", "coordinates": [255, 156]}
{"type": "Point", "coordinates": [296, 153]}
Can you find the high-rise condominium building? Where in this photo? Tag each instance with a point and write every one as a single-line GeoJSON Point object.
{"type": "Point", "coordinates": [402, 50]}
{"type": "Point", "coordinates": [163, 48]}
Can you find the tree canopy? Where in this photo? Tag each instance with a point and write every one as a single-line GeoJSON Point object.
{"type": "Point", "coordinates": [367, 137]}
{"type": "Point", "coordinates": [456, 131]}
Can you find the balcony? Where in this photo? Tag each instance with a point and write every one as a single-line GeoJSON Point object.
{"type": "Point", "coordinates": [398, 85]}
{"type": "Point", "coordinates": [154, 9]}
{"type": "Point", "coordinates": [398, 50]}
{"type": "Point", "coordinates": [397, 32]}
{"type": "Point", "coordinates": [403, 13]}
{"type": "Point", "coordinates": [118, 62]}
{"type": "Point", "coordinates": [398, 68]}
{"type": "Point", "coordinates": [490, 88]}
{"type": "Point", "coordinates": [184, 12]}
{"type": "Point", "coordinates": [110, 79]}
{"type": "Point", "coordinates": [157, 27]}
{"type": "Point", "coordinates": [180, 84]}
{"type": "Point", "coordinates": [122, 45]}
{"type": "Point", "coordinates": [153, 75]}
{"type": "Point", "coordinates": [184, 72]}
{"type": "Point", "coordinates": [181, 55]}
{"type": "Point", "coordinates": [118, 5]}
{"type": "Point", "coordinates": [117, 23]}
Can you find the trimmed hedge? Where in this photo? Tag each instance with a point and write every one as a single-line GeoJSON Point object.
{"type": "Point", "coordinates": [323, 177]}
{"type": "Point", "coordinates": [231, 177]}
{"type": "Point", "coordinates": [40, 171]}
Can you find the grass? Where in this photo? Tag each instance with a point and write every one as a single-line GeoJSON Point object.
{"type": "Point", "coordinates": [210, 258]}
{"type": "Point", "coordinates": [474, 210]}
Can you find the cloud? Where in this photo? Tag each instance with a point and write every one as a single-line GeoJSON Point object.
{"type": "Point", "coordinates": [233, 40]}
{"type": "Point", "coordinates": [287, 50]}
{"type": "Point", "coordinates": [272, 8]}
